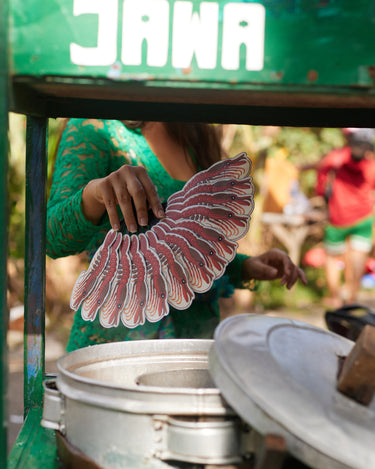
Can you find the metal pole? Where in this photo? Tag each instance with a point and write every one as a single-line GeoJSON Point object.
{"type": "Point", "coordinates": [3, 228]}
{"type": "Point", "coordinates": [35, 252]}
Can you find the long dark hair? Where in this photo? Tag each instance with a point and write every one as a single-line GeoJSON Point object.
{"type": "Point", "coordinates": [203, 139]}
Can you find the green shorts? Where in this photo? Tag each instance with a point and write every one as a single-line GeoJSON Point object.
{"type": "Point", "coordinates": [359, 237]}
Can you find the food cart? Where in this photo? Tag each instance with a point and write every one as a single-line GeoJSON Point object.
{"type": "Point", "coordinates": [286, 62]}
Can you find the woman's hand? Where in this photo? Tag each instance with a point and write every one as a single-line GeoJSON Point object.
{"type": "Point", "coordinates": [122, 187]}
{"type": "Point", "coordinates": [271, 265]}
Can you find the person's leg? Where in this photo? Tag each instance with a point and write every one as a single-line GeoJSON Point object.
{"type": "Point", "coordinates": [348, 277]}
{"type": "Point", "coordinates": [333, 279]}
{"type": "Point", "coordinates": [335, 246]}
{"type": "Point", "coordinates": [360, 246]}
{"type": "Point", "coordinates": [357, 262]}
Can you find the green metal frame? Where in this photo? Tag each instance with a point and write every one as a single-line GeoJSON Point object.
{"type": "Point", "coordinates": [308, 79]}
{"type": "Point", "coordinates": [283, 52]}
{"type": "Point", "coordinates": [36, 177]}
{"type": "Point", "coordinates": [3, 226]}
{"type": "Point", "coordinates": [35, 446]}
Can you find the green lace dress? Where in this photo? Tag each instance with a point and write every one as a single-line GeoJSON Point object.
{"type": "Point", "coordinates": [91, 149]}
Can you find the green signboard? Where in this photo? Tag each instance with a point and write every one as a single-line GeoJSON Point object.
{"type": "Point", "coordinates": [320, 43]}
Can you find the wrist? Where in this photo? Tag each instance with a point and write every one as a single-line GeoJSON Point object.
{"type": "Point", "coordinates": [246, 271]}
{"type": "Point", "coordinates": [249, 281]}
{"type": "Point", "coordinates": [92, 209]}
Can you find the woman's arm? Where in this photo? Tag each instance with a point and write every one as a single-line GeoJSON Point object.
{"type": "Point", "coordinates": [83, 155]}
{"type": "Point", "coordinates": [271, 265]}
{"type": "Point", "coordinates": [88, 189]}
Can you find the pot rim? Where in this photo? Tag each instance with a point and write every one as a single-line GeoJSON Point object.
{"type": "Point", "coordinates": [188, 347]}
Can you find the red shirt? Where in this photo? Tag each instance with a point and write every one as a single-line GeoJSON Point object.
{"type": "Point", "coordinates": [352, 188]}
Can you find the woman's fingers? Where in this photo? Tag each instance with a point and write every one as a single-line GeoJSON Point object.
{"type": "Point", "coordinates": [151, 194]}
{"type": "Point", "coordinates": [125, 184]}
{"type": "Point", "coordinates": [144, 194]}
{"type": "Point", "coordinates": [138, 195]}
{"type": "Point", "coordinates": [302, 276]}
{"type": "Point", "coordinates": [106, 192]}
{"type": "Point", "coordinates": [289, 270]}
{"type": "Point", "coordinates": [131, 188]}
{"type": "Point", "coordinates": [289, 278]}
{"type": "Point", "coordinates": [124, 200]}
{"type": "Point", "coordinates": [275, 264]}
{"type": "Point", "coordinates": [291, 274]}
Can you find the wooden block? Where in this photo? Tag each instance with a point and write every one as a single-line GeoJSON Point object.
{"type": "Point", "coordinates": [272, 452]}
{"type": "Point", "coordinates": [357, 377]}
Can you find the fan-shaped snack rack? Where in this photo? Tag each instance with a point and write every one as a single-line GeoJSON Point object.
{"type": "Point", "coordinates": [56, 61]}
{"type": "Point", "coordinates": [145, 288]}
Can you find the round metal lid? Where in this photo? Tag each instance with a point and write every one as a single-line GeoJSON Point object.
{"type": "Point", "coordinates": [279, 375]}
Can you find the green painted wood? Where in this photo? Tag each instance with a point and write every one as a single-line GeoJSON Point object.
{"type": "Point", "coordinates": [35, 252]}
{"type": "Point", "coordinates": [272, 62]}
{"type": "Point", "coordinates": [35, 446]}
{"type": "Point", "coordinates": [3, 228]}
{"type": "Point", "coordinates": [281, 43]}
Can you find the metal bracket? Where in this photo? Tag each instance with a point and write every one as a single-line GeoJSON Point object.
{"type": "Point", "coordinates": [209, 441]}
{"type": "Point", "coordinates": [53, 407]}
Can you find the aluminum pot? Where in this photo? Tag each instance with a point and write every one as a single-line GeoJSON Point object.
{"type": "Point", "coordinates": [152, 403]}
{"type": "Point", "coordinates": [142, 403]}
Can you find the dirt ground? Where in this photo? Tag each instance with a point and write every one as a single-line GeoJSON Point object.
{"type": "Point", "coordinates": [55, 348]}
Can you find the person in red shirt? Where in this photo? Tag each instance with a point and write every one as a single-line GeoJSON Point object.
{"type": "Point", "coordinates": [346, 178]}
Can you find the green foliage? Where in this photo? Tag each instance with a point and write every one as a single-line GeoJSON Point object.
{"type": "Point", "coordinates": [16, 185]}
{"type": "Point", "coordinates": [55, 128]}
{"type": "Point", "coordinates": [306, 146]}
{"type": "Point", "coordinates": [301, 145]}
{"type": "Point", "coordinates": [271, 295]}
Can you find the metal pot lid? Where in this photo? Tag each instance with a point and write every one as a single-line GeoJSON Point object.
{"type": "Point", "coordinates": [279, 375]}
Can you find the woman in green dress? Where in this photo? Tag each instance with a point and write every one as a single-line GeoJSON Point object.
{"type": "Point", "coordinates": [106, 170]}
